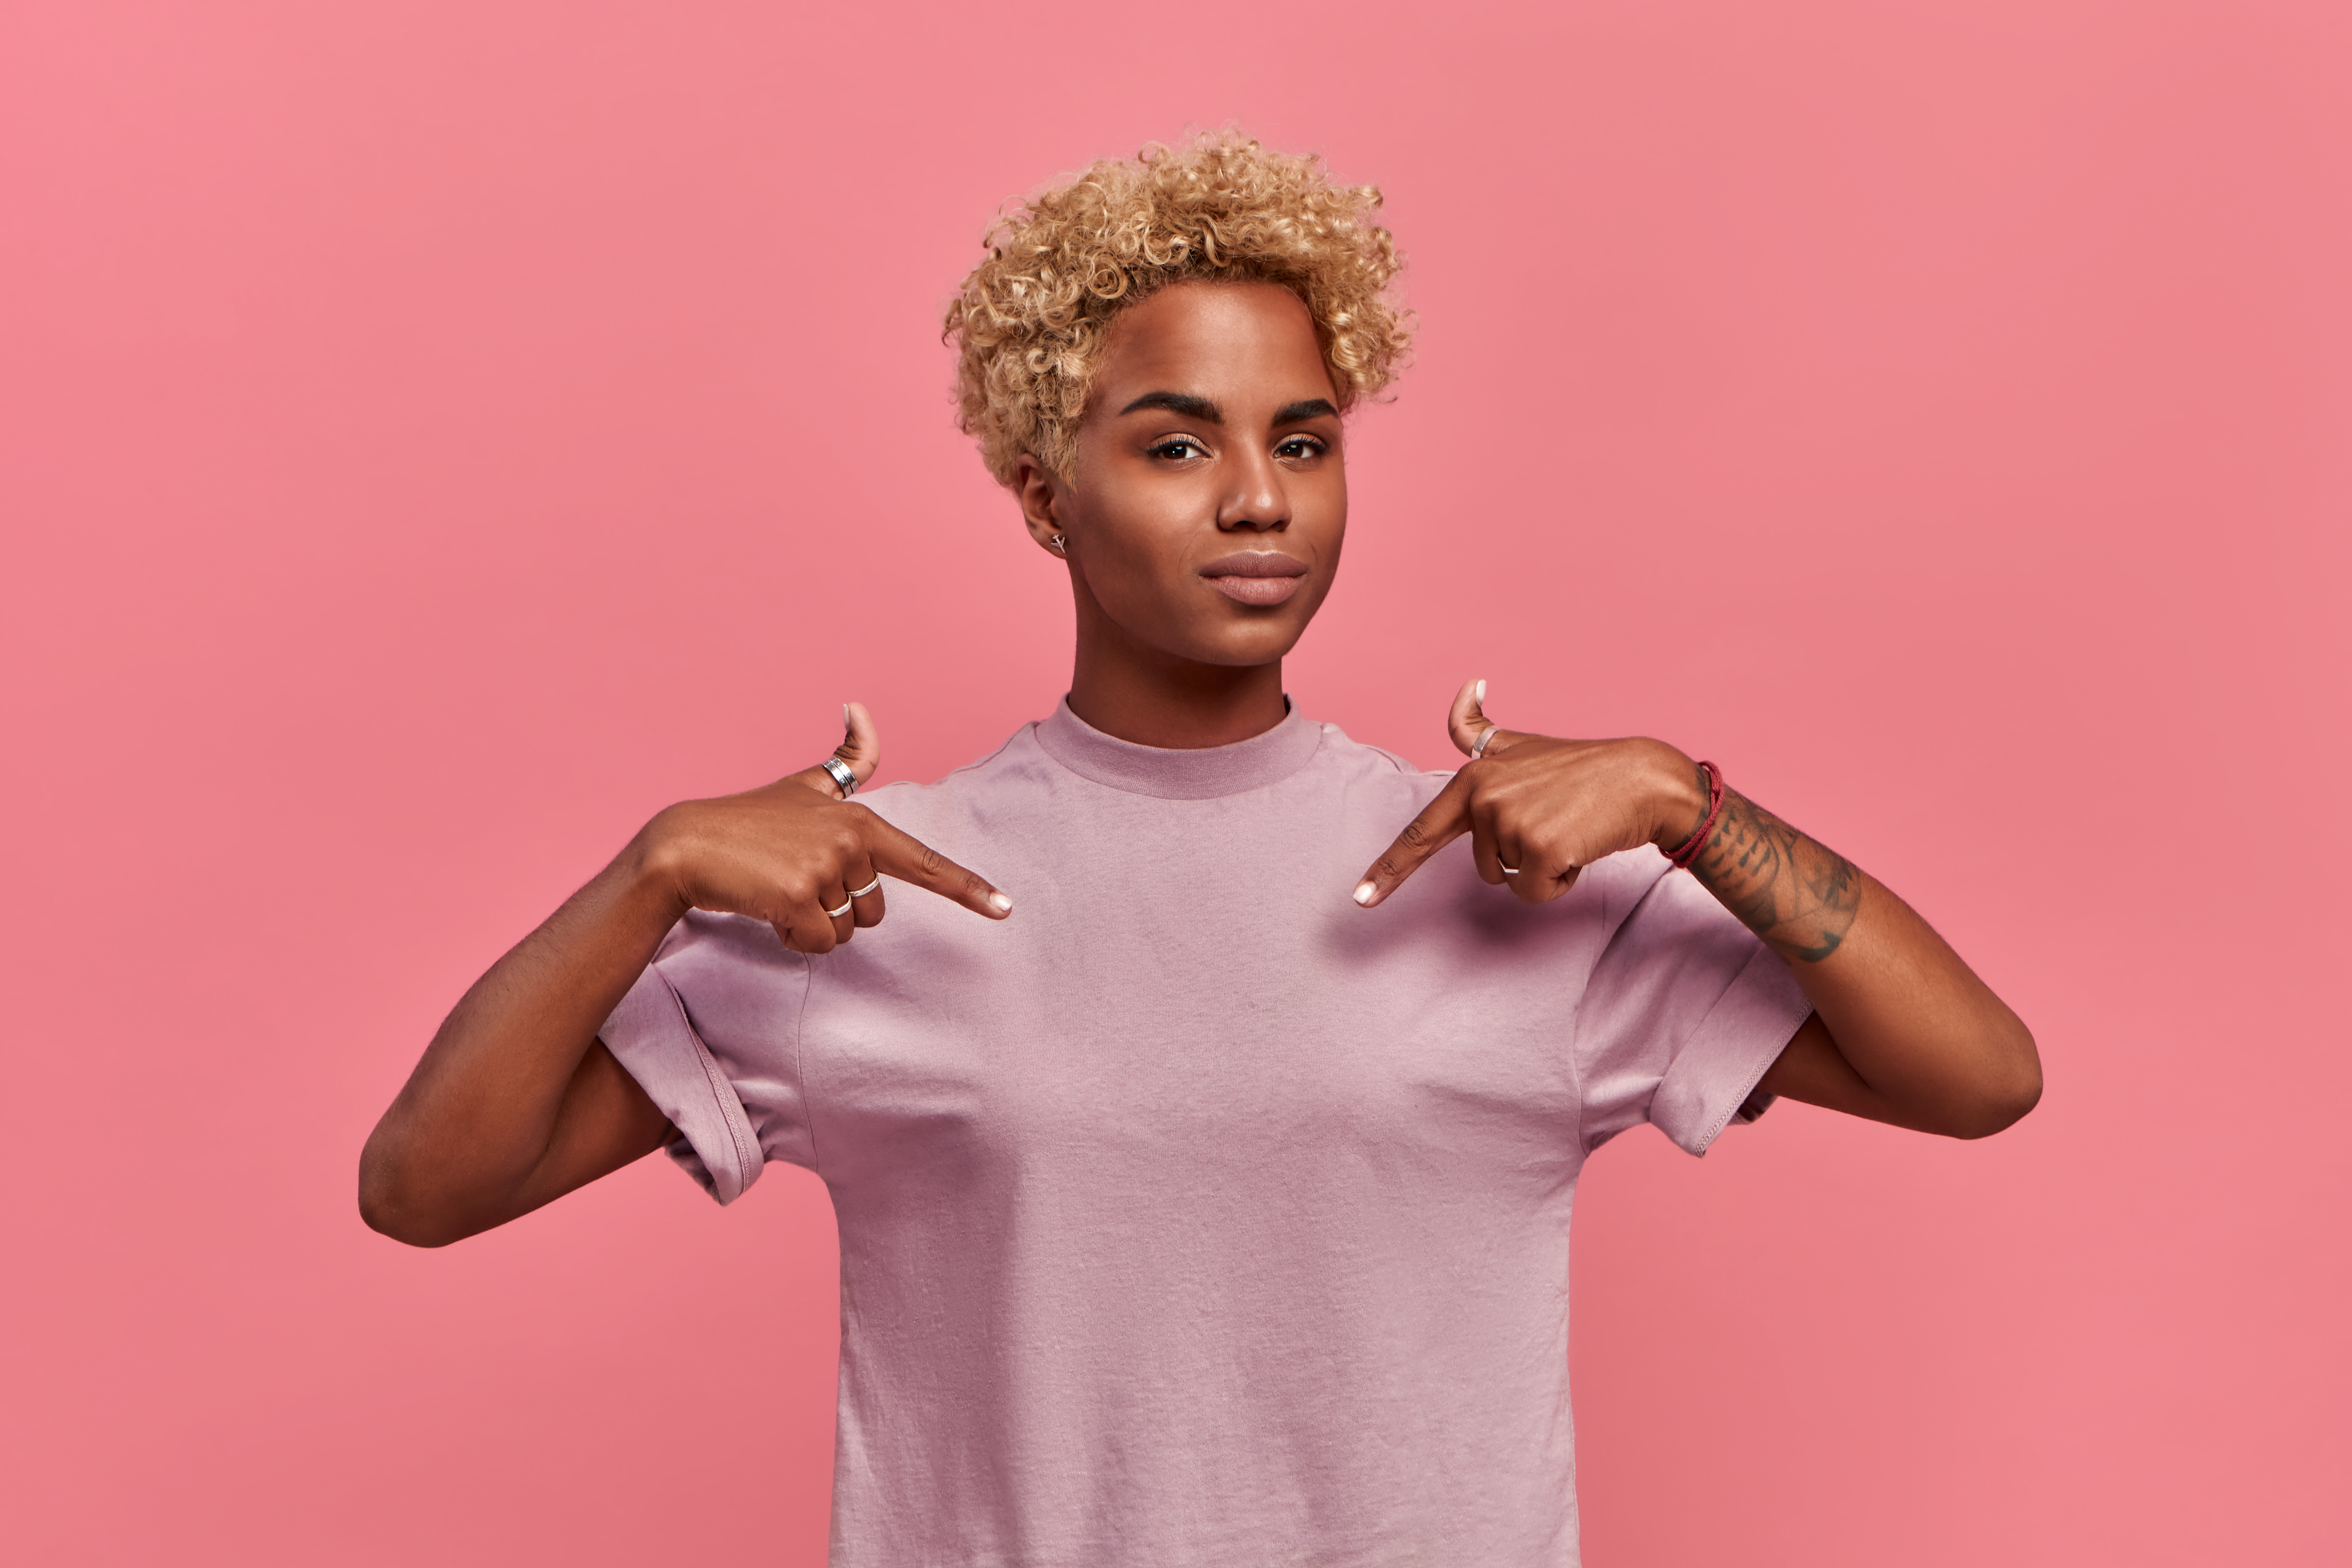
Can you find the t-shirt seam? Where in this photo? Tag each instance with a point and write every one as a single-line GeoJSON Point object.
{"type": "Point", "coordinates": [800, 1059]}
{"type": "Point", "coordinates": [1400, 763]}
{"type": "Point", "coordinates": [973, 766]}
{"type": "Point", "coordinates": [1767, 955]}
{"type": "Point", "coordinates": [1576, 1036]}
{"type": "Point", "coordinates": [978, 763]}
{"type": "Point", "coordinates": [717, 1081]}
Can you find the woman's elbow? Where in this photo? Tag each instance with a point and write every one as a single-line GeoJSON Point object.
{"type": "Point", "coordinates": [2006, 1093]}
{"type": "Point", "coordinates": [389, 1206]}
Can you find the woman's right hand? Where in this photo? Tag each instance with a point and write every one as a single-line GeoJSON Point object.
{"type": "Point", "coordinates": [516, 1101]}
{"type": "Point", "coordinates": [798, 856]}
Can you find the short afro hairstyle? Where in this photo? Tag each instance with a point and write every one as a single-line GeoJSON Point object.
{"type": "Point", "coordinates": [1029, 322]}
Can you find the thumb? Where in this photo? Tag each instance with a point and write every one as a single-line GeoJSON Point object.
{"type": "Point", "coordinates": [860, 751]}
{"type": "Point", "coordinates": [861, 743]}
{"type": "Point", "coordinates": [1468, 722]}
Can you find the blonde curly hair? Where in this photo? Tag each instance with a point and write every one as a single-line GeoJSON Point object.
{"type": "Point", "coordinates": [1029, 320]}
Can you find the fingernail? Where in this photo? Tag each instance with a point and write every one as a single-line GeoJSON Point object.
{"type": "Point", "coordinates": [1481, 697]}
{"type": "Point", "coordinates": [844, 715]}
{"type": "Point", "coordinates": [1000, 903]}
{"type": "Point", "coordinates": [1364, 891]}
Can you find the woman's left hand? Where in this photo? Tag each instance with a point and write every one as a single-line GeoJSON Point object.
{"type": "Point", "coordinates": [1539, 810]}
{"type": "Point", "coordinates": [1904, 1032]}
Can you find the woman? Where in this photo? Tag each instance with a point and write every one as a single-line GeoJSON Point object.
{"type": "Point", "coordinates": [1204, 1154]}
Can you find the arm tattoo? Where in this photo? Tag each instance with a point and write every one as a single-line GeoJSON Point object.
{"type": "Point", "coordinates": [1798, 895]}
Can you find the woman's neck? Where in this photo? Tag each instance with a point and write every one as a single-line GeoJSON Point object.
{"type": "Point", "coordinates": [1156, 699]}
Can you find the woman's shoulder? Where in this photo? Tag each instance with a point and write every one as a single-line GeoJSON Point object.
{"type": "Point", "coordinates": [1357, 765]}
{"type": "Point", "coordinates": [1018, 766]}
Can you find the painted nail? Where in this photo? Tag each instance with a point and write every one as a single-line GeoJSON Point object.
{"type": "Point", "coordinates": [1482, 694]}
{"type": "Point", "coordinates": [1364, 891]}
{"type": "Point", "coordinates": [1000, 903]}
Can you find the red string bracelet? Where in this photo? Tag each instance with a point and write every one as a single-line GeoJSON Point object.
{"type": "Point", "coordinates": [1689, 848]}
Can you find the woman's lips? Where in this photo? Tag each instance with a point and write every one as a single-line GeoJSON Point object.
{"type": "Point", "coordinates": [1256, 576]}
{"type": "Point", "coordinates": [1257, 590]}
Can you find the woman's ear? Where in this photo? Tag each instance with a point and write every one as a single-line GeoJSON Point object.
{"type": "Point", "coordinates": [1042, 503]}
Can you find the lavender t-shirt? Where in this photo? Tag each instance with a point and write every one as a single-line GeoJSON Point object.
{"type": "Point", "coordinates": [1193, 1215]}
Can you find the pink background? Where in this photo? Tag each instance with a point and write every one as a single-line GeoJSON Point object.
{"type": "Point", "coordinates": [437, 435]}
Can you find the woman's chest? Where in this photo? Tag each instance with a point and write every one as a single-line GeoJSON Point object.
{"type": "Point", "coordinates": [1096, 1034]}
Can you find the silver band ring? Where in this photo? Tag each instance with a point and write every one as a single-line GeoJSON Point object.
{"type": "Point", "coordinates": [841, 775]}
{"type": "Point", "coordinates": [836, 914]}
{"type": "Point", "coordinates": [861, 892]}
{"type": "Point", "coordinates": [1484, 735]}
{"type": "Point", "coordinates": [1511, 870]}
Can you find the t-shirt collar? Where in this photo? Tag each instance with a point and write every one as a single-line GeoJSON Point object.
{"type": "Point", "coordinates": [1199, 774]}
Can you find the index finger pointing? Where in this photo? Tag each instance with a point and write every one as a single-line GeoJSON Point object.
{"type": "Point", "coordinates": [909, 859]}
{"type": "Point", "coordinates": [1441, 822]}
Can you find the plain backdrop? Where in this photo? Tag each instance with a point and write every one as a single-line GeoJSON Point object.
{"type": "Point", "coordinates": [437, 435]}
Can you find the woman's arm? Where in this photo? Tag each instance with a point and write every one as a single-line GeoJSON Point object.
{"type": "Point", "coordinates": [516, 1101]}
{"type": "Point", "coordinates": [1903, 1031]}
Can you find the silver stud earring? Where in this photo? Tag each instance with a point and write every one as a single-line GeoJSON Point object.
{"type": "Point", "coordinates": [1057, 544]}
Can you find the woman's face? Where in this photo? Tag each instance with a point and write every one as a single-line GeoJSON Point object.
{"type": "Point", "coordinates": [1210, 498]}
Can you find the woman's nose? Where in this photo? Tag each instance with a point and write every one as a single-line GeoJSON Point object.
{"type": "Point", "coordinates": [1258, 500]}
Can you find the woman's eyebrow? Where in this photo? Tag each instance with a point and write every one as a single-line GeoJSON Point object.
{"type": "Point", "coordinates": [1183, 403]}
{"type": "Point", "coordinates": [1309, 408]}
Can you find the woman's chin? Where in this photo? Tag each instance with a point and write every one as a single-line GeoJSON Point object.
{"type": "Point", "coordinates": [1247, 646]}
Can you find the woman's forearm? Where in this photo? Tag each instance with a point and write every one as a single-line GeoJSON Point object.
{"type": "Point", "coordinates": [463, 1146]}
{"type": "Point", "coordinates": [1799, 896]}
{"type": "Point", "coordinates": [1929, 1040]}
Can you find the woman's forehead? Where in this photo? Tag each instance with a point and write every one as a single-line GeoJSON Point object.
{"type": "Point", "coordinates": [1205, 337]}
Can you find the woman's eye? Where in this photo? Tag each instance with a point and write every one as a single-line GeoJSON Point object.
{"type": "Point", "coordinates": [1180, 448]}
{"type": "Point", "coordinates": [1299, 446]}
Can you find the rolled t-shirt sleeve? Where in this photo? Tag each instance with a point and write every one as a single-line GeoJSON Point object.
{"type": "Point", "coordinates": [1683, 1012]}
{"type": "Point", "coordinates": [711, 1033]}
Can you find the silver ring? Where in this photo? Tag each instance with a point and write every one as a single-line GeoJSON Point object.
{"type": "Point", "coordinates": [1511, 870]}
{"type": "Point", "coordinates": [836, 914]}
{"type": "Point", "coordinates": [869, 886]}
{"type": "Point", "coordinates": [1484, 735]}
{"type": "Point", "coordinates": [841, 775]}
